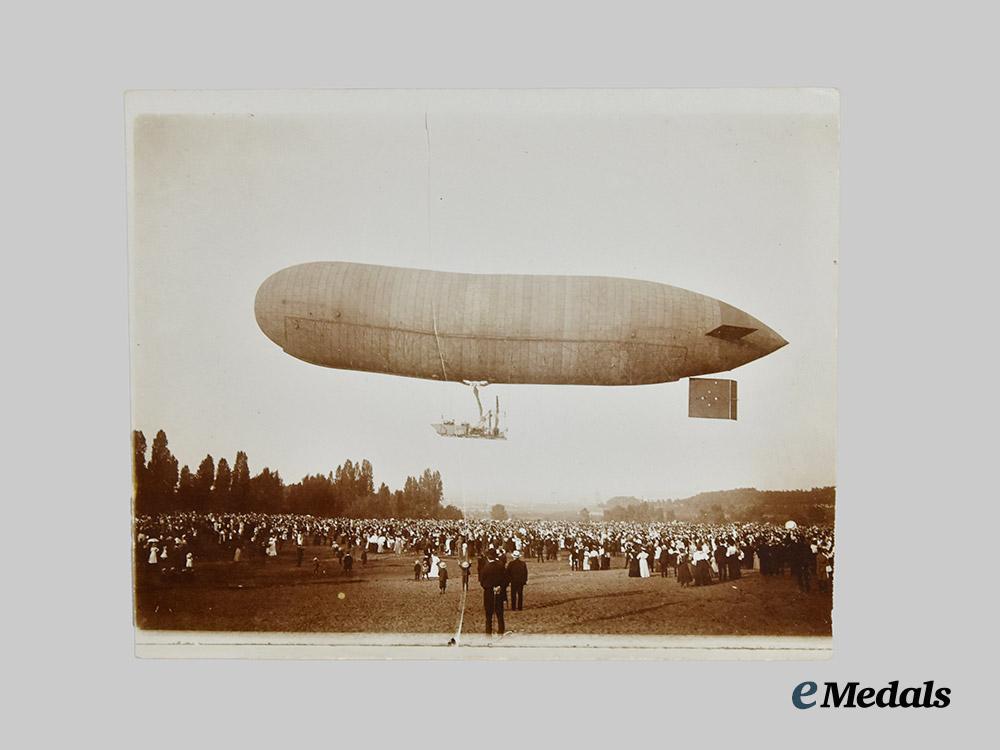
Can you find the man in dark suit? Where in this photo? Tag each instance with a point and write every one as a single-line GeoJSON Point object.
{"type": "Point", "coordinates": [517, 574]}
{"type": "Point", "coordinates": [494, 582]}
{"type": "Point", "coordinates": [803, 562]}
{"type": "Point", "coordinates": [481, 563]}
{"type": "Point", "coordinates": [720, 560]}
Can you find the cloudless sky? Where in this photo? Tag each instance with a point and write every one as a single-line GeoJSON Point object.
{"type": "Point", "coordinates": [731, 194]}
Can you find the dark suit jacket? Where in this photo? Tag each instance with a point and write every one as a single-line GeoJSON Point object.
{"type": "Point", "coordinates": [517, 572]}
{"type": "Point", "coordinates": [494, 574]}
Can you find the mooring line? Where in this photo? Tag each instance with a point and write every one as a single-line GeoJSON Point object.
{"type": "Point", "coordinates": [461, 617]}
{"type": "Point", "coordinates": [437, 339]}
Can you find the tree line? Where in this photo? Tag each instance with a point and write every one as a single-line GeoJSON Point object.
{"type": "Point", "coordinates": [162, 486]}
{"type": "Point", "coordinates": [813, 506]}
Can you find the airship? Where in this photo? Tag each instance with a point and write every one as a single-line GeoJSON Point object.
{"type": "Point", "coordinates": [511, 328]}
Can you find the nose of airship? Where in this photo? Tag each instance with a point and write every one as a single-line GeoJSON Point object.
{"type": "Point", "coordinates": [267, 308]}
{"type": "Point", "coordinates": [746, 337]}
{"type": "Point", "coordinates": [766, 340]}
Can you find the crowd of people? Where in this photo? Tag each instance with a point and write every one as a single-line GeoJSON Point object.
{"type": "Point", "coordinates": [697, 554]}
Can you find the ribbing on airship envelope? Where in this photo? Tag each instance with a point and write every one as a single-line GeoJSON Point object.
{"type": "Point", "coordinates": [504, 328]}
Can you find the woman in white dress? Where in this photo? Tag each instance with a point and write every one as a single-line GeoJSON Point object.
{"type": "Point", "coordinates": [433, 572]}
{"type": "Point", "coordinates": [154, 553]}
{"type": "Point", "coordinates": [643, 564]}
{"type": "Point", "coordinates": [272, 547]}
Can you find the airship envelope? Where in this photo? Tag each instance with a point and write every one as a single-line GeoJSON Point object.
{"type": "Point", "coordinates": [500, 328]}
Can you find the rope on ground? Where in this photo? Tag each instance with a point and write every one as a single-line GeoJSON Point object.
{"type": "Point", "coordinates": [461, 617]}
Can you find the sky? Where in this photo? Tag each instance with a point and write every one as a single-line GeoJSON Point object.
{"type": "Point", "coordinates": [733, 194]}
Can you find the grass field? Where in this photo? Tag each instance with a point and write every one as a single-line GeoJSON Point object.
{"type": "Point", "coordinates": [382, 597]}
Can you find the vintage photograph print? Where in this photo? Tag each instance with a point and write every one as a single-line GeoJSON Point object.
{"type": "Point", "coordinates": [484, 373]}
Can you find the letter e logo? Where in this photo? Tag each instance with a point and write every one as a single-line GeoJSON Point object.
{"type": "Point", "coordinates": [803, 690]}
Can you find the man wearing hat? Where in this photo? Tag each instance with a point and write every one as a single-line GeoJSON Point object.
{"type": "Point", "coordinates": [517, 574]}
{"type": "Point", "coordinates": [442, 575]}
{"type": "Point", "coordinates": [466, 568]}
{"type": "Point", "coordinates": [493, 579]}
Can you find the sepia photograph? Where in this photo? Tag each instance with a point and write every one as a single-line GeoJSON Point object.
{"type": "Point", "coordinates": [484, 373]}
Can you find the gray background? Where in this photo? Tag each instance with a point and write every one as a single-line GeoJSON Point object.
{"type": "Point", "coordinates": [916, 522]}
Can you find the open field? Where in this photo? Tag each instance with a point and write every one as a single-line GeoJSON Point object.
{"type": "Point", "coordinates": [382, 597]}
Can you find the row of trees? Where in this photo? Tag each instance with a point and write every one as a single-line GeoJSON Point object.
{"type": "Point", "coordinates": [349, 491]}
{"type": "Point", "coordinates": [813, 506]}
